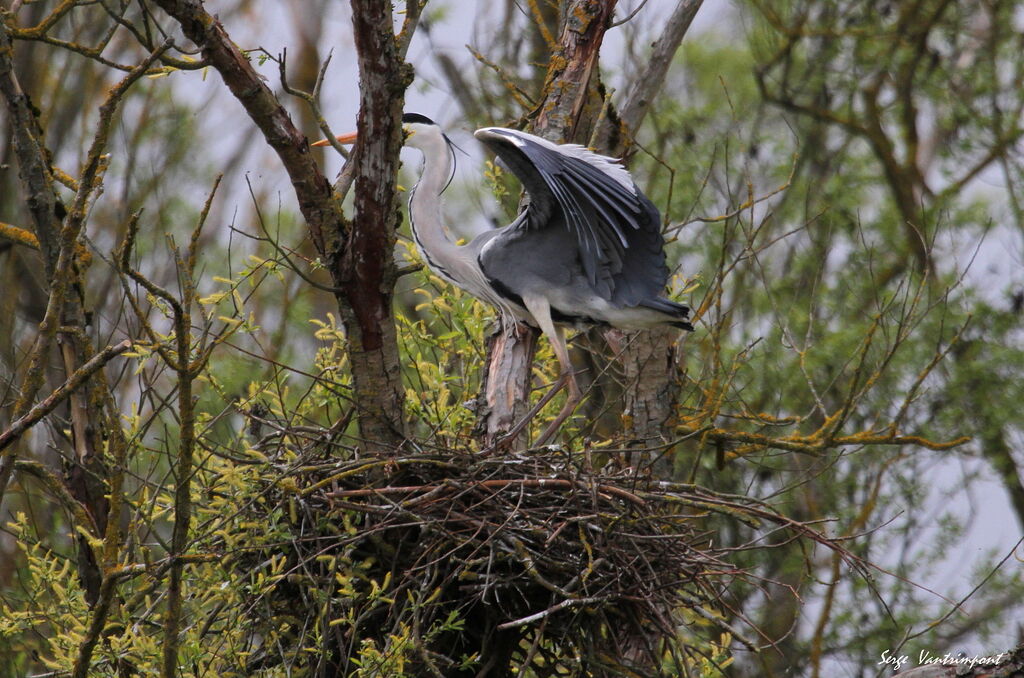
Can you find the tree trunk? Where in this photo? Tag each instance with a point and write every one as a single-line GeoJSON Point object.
{"type": "Point", "coordinates": [651, 386]}
{"type": "Point", "coordinates": [365, 268]}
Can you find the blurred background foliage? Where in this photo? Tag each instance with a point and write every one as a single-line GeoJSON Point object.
{"type": "Point", "coordinates": [840, 182]}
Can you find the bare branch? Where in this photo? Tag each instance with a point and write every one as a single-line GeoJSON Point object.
{"type": "Point", "coordinates": [50, 402]}
{"type": "Point", "coordinates": [413, 11]}
{"type": "Point", "coordinates": [18, 235]}
{"type": "Point", "coordinates": [650, 80]}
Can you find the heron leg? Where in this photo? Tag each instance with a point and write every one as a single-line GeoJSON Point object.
{"type": "Point", "coordinates": [541, 311]}
{"type": "Point", "coordinates": [528, 417]}
{"type": "Point", "coordinates": [571, 401]}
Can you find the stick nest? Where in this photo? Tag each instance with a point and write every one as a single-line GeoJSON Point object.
{"type": "Point", "coordinates": [469, 565]}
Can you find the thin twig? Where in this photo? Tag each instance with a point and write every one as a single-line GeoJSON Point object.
{"type": "Point", "coordinates": [22, 424]}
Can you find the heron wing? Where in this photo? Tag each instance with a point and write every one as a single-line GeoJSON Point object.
{"type": "Point", "coordinates": [617, 229]}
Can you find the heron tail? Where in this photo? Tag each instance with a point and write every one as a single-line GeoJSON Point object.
{"type": "Point", "coordinates": [679, 314]}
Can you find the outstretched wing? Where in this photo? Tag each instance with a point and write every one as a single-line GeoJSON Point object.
{"type": "Point", "coordinates": [616, 227]}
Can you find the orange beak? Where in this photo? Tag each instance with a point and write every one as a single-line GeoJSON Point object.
{"type": "Point", "coordinates": [342, 139]}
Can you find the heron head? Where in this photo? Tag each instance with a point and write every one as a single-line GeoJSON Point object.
{"type": "Point", "coordinates": [421, 131]}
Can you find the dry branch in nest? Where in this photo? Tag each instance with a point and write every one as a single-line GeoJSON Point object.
{"type": "Point", "coordinates": [472, 566]}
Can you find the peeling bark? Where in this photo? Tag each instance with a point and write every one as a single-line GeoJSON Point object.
{"type": "Point", "coordinates": [506, 383]}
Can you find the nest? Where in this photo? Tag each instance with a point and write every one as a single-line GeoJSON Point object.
{"type": "Point", "coordinates": [473, 566]}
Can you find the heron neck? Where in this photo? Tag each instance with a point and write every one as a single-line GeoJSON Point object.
{"type": "Point", "coordinates": [428, 228]}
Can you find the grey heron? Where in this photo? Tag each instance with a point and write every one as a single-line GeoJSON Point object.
{"type": "Point", "coordinates": [586, 250]}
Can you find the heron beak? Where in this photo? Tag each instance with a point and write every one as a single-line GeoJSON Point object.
{"type": "Point", "coordinates": [342, 139]}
